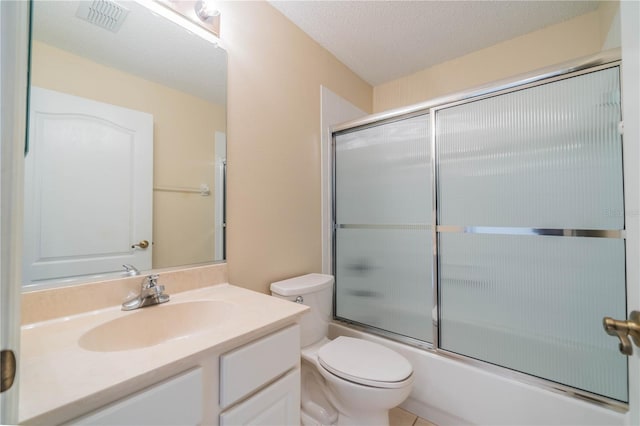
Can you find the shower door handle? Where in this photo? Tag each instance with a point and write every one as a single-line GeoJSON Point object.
{"type": "Point", "coordinates": [626, 331]}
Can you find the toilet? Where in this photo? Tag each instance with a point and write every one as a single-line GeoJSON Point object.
{"type": "Point", "coordinates": [345, 381]}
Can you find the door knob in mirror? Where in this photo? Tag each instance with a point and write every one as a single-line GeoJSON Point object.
{"type": "Point", "coordinates": [142, 244]}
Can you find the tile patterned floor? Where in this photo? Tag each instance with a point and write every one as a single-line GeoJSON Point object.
{"type": "Point", "coordinates": [400, 417]}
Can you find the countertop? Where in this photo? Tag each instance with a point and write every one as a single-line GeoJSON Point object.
{"type": "Point", "coordinates": [59, 379]}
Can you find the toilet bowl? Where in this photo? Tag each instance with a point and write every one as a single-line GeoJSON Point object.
{"type": "Point", "coordinates": [345, 381]}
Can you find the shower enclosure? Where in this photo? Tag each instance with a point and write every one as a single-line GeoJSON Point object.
{"type": "Point", "coordinates": [489, 227]}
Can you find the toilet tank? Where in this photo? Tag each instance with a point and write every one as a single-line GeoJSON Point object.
{"type": "Point", "coordinates": [315, 291]}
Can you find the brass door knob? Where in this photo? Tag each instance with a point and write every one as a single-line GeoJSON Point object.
{"type": "Point", "coordinates": [142, 244]}
{"type": "Point", "coordinates": [8, 369]}
{"type": "Point", "coordinates": [624, 330]}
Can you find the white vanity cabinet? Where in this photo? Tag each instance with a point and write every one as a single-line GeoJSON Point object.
{"type": "Point", "coordinates": [260, 381]}
{"type": "Point", "coordinates": [235, 359]}
{"type": "Point", "coordinates": [255, 384]}
{"type": "Point", "coordinates": [177, 400]}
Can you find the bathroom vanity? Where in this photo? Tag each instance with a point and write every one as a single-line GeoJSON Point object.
{"type": "Point", "coordinates": [215, 355]}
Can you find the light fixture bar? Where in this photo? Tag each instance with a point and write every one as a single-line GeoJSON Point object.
{"type": "Point", "coordinates": [183, 13]}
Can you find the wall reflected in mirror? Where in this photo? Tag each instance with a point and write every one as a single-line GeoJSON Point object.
{"type": "Point", "coordinates": [126, 145]}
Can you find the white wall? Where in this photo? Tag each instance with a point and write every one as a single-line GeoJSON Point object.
{"type": "Point", "coordinates": [333, 110]}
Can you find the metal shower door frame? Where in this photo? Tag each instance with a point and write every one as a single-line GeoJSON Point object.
{"type": "Point", "coordinates": [570, 69]}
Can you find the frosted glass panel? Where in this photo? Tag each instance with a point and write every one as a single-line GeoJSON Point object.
{"type": "Point", "coordinates": [543, 157]}
{"type": "Point", "coordinates": [383, 174]}
{"type": "Point", "coordinates": [384, 239]}
{"type": "Point", "coordinates": [384, 279]}
{"type": "Point", "coordinates": [535, 304]}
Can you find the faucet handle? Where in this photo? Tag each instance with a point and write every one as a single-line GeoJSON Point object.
{"type": "Point", "coordinates": [150, 281]}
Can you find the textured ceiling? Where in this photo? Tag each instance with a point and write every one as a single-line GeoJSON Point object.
{"type": "Point", "coordinates": [146, 45]}
{"type": "Point", "coordinates": [384, 40]}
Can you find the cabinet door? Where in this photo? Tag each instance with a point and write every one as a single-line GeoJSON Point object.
{"type": "Point", "coordinates": [177, 401]}
{"type": "Point", "coordinates": [278, 404]}
{"type": "Point", "coordinates": [250, 367]}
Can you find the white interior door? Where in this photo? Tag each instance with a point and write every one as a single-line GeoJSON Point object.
{"type": "Point", "coordinates": [88, 187]}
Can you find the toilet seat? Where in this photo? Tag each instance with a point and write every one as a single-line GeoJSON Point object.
{"type": "Point", "coordinates": [365, 363]}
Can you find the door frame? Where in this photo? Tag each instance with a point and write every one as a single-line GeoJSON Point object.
{"type": "Point", "coordinates": [14, 57]}
{"type": "Point", "coordinates": [630, 38]}
{"type": "Point", "coordinates": [334, 110]}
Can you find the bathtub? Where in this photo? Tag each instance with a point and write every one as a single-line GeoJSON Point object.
{"type": "Point", "coordinates": [450, 392]}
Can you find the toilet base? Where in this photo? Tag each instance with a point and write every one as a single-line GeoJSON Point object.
{"type": "Point", "coordinates": [307, 420]}
{"type": "Point", "coordinates": [323, 398]}
{"type": "Point", "coordinates": [313, 414]}
{"type": "Point", "coordinates": [315, 408]}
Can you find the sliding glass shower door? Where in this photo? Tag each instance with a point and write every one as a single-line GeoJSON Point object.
{"type": "Point", "coordinates": [523, 239]}
{"type": "Point", "coordinates": [383, 240]}
{"type": "Point", "coordinates": [530, 227]}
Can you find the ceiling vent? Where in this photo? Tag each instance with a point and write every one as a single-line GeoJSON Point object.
{"type": "Point", "coordinates": [105, 14]}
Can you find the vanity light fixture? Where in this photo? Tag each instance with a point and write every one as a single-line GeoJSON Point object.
{"type": "Point", "coordinates": [185, 14]}
{"type": "Point", "coordinates": [205, 10]}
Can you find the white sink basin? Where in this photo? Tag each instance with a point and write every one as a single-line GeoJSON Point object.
{"type": "Point", "coordinates": [157, 324]}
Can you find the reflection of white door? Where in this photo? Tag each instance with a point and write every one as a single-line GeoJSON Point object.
{"type": "Point", "coordinates": [88, 187]}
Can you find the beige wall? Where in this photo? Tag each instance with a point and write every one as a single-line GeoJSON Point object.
{"type": "Point", "coordinates": [184, 128]}
{"type": "Point", "coordinates": [581, 36]}
{"type": "Point", "coordinates": [275, 71]}
{"type": "Point", "coordinates": [274, 202]}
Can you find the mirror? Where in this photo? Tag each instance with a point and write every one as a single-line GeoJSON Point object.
{"type": "Point", "coordinates": [126, 143]}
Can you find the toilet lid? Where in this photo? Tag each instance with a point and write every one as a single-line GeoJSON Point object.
{"type": "Point", "coordinates": [364, 362]}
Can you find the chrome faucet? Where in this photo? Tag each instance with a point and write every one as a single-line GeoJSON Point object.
{"type": "Point", "coordinates": [151, 293]}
